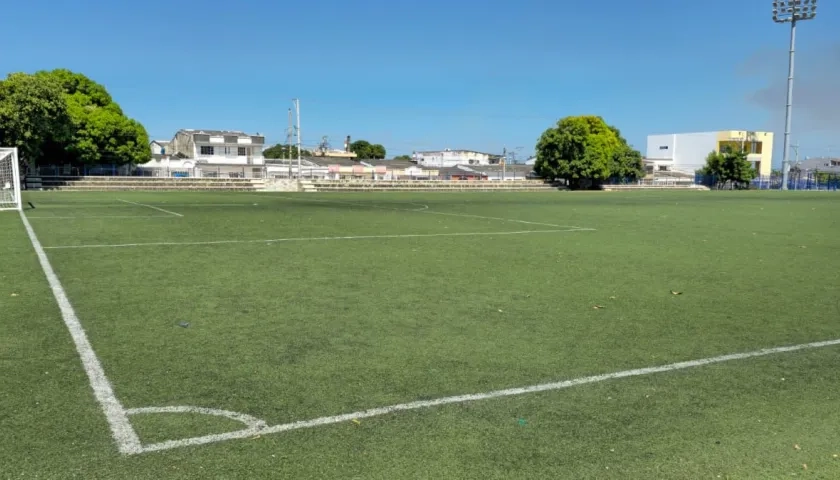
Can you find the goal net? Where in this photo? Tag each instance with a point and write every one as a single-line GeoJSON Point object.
{"type": "Point", "coordinates": [9, 180]}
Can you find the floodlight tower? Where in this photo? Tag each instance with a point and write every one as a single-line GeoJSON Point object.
{"type": "Point", "coordinates": [791, 11]}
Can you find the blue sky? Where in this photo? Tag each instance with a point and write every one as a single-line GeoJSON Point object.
{"type": "Point", "coordinates": [435, 74]}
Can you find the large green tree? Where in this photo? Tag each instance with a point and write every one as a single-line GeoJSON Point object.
{"type": "Point", "coordinates": [282, 151]}
{"type": "Point", "coordinates": [33, 115]}
{"type": "Point", "coordinates": [728, 169]}
{"type": "Point", "coordinates": [585, 151]}
{"type": "Point", "coordinates": [93, 128]}
{"type": "Point", "coordinates": [365, 150]}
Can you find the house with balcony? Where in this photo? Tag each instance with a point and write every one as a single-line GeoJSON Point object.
{"type": "Point", "coordinates": [219, 147]}
{"type": "Point", "coordinates": [209, 153]}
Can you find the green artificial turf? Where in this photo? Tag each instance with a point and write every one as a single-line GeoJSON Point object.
{"type": "Point", "coordinates": [298, 329]}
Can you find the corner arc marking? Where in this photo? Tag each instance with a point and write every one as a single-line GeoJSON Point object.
{"type": "Point", "coordinates": [250, 421]}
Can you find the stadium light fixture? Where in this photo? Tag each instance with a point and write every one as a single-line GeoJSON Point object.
{"type": "Point", "coordinates": [791, 11]}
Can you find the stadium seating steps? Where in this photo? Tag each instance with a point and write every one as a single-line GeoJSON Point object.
{"type": "Point", "coordinates": [426, 185]}
{"type": "Point", "coordinates": [672, 186]}
{"type": "Point", "coordinates": [93, 184]}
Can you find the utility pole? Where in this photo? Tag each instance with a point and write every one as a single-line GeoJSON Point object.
{"type": "Point", "coordinates": [791, 11]}
{"type": "Point", "coordinates": [297, 110]}
{"type": "Point", "coordinates": [288, 154]}
{"type": "Point", "coordinates": [504, 162]}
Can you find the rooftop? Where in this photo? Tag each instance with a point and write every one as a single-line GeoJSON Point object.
{"type": "Point", "coordinates": [223, 133]}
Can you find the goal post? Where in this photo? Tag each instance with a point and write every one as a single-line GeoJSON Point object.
{"type": "Point", "coordinates": [9, 180]}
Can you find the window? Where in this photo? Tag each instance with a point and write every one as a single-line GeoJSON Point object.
{"type": "Point", "coordinates": [663, 147]}
{"type": "Point", "coordinates": [206, 150]}
{"type": "Point", "coordinates": [227, 150]}
{"type": "Point", "coordinates": [243, 151]}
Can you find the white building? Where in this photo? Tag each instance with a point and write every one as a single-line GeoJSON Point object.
{"type": "Point", "coordinates": [160, 147]}
{"type": "Point", "coordinates": [687, 152]}
{"type": "Point", "coordinates": [218, 147]}
{"type": "Point", "coordinates": [450, 158]}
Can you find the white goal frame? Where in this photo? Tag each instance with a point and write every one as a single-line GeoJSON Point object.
{"type": "Point", "coordinates": [10, 198]}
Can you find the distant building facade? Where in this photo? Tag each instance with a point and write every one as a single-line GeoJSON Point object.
{"type": "Point", "coordinates": [221, 147]}
{"type": "Point", "coordinates": [451, 158]}
{"type": "Point", "coordinates": [687, 152]}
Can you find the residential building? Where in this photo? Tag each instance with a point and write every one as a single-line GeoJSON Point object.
{"type": "Point", "coordinates": [160, 147]}
{"type": "Point", "coordinates": [451, 158]}
{"type": "Point", "coordinates": [219, 147]}
{"type": "Point", "coordinates": [819, 164]}
{"type": "Point", "coordinates": [687, 152]}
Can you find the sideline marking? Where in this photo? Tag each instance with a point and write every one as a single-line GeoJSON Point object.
{"type": "Point", "coordinates": [425, 210]}
{"type": "Point", "coordinates": [374, 412]}
{"type": "Point", "coordinates": [106, 216]}
{"type": "Point", "coordinates": [124, 435]}
{"type": "Point", "coordinates": [151, 206]}
{"type": "Point", "coordinates": [52, 206]}
{"type": "Point", "coordinates": [312, 239]}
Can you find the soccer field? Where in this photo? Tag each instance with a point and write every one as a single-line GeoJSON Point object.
{"type": "Point", "coordinates": [423, 335]}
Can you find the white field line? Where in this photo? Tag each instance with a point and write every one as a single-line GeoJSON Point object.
{"type": "Point", "coordinates": [427, 211]}
{"type": "Point", "coordinates": [153, 207]}
{"type": "Point", "coordinates": [374, 412]}
{"type": "Point", "coordinates": [313, 239]}
{"type": "Point", "coordinates": [105, 216]}
{"type": "Point", "coordinates": [124, 434]}
{"type": "Point", "coordinates": [128, 205]}
{"type": "Point", "coordinates": [251, 422]}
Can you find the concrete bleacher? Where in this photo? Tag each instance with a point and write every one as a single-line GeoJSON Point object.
{"type": "Point", "coordinates": [654, 186]}
{"type": "Point", "coordinates": [427, 185]}
{"type": "Point", "coordinates": [97, 183]}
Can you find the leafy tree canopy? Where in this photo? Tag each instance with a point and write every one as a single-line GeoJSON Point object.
{"type": "Point", "coordinates": [89, 127]}
{"type": "Point", "coordinates": [365, 150]}
{"type": "Point", "coordinates": [728, 168]}
{"type": "Point", "coordinates": [403, 157]}
{"type": "Point", "coordinates": [585, 151]}
{"type": "Point", "coordinates": [33, 115]}
{"type": "Point", "coordinates": [282, 151]}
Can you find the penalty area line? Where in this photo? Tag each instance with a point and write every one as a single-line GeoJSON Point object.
{"type": "Point", "coordinates": [422, 404]}
{"type": "Point", "coordinates": [152, 207]}
{"type": "Point", "coordinates": [316, 239]}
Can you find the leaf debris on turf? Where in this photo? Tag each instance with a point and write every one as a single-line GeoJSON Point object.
{"type": "Point", "coordinates": [184, 324]}
{"type": "Point", "coordinates": [598, 307]}
{"type": "Point", "coordinates": [674, 292]}
{"type": "Point", "coordinates": [14, 294]}
{"type": "Point", "coordinates": [356, 421]}
{"type": "Point", "coordinates": [796, 446]}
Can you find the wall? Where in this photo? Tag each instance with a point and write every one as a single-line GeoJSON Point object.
{"type": "Point", "coordinates": [452, 158]}
{"type": "Point", "coordinates": [281, 185]}
{"type": "Point", "coordinates": [660, 147]}
{"type": "Point", "coordinates": [691, 150]}
{"type": "Point", "coordinates": [183, 143]}
{"type": "Point", "coordinates": [157, 149]}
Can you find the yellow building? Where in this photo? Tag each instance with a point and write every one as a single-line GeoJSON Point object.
{"type": "Point", "coordinates": [687, 152]}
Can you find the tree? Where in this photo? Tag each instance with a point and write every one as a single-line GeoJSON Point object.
{"type": "Point", "coordinates": [728, 168]}
{"type": "Point", "coordinates": [365, 150]}
{"type": "Point", "coordinates": [585, 151]}
{"type": "Point", "coordinates": [101, 131]}
{"type": "Point", "coordinates": [33, 115]}
{"type": "Point", "coordinates": [403, 157]}
{"type": "Point", "coordinates": [282, 151]}
{"type": "Point", "coordinates": [79, 124]}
